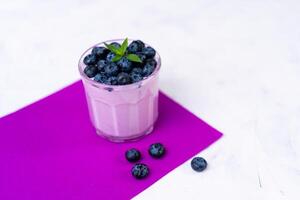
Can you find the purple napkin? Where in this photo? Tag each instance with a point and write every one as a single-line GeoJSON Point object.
{"type": "Point", "coordinates": [49, 150]}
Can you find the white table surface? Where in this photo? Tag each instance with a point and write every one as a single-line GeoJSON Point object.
{"type": "Point", "coordinates": [235, 64]}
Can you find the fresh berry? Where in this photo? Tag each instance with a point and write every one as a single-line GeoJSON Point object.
{"type": "Point", "coordinates": [115, 44]}
{"type": "Point", "coordinates": [124, 64]}
{"type": "Point", "coordinates": [90, 59]}
{"type": "Point", "coordinates": [152, 62]}
{"type": "Point", "coordinates": [136, 77]}
{"type": "Point", "coordinates": [133, 155]}
{"type": "Point", "coordinates": [140, 171]}
{"type": "Point", "coordinates": [149, 52]}
{"type": "Point", "coordinates": [140, 43]}
{"type": "Point", "coordinates": [112, 80]}
{"type": "Point", "coordinates": [90, 71]}
{"type": "Point", "coordinates": [141, 56]}
{"type": "Point", "coordinates": [135, 46]}
{"type": "Point", "coordinates": [198, 164]}
{"type": "Point", "coordinates": [111, 69]}
{"type": "Point", "coordinates": [148, 69]}
{"type": "Point", "coordinates": [156, 150]}
{"type": "Point", "coordinates": [100, 52]}
{"type": "Point", "coordinates": [101, 65]}
{"type": "Point", "coordinates": [137, 70]}
{"type": "Point", "coordinates": [110, 56]}
{"type": "Point", "coordinates": [100, 78]}
{"type": "Point", "coordinates": [124, 78]}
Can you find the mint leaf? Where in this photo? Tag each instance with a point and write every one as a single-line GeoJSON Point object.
{"type": "Point", "coordinates": [113, 49]}
{"type": "Point", "coordinates": [124, 46]}
{"type": "Point", "coordinates": [133, 58]}
{"type": "Point", "coordinates": [116, 58]}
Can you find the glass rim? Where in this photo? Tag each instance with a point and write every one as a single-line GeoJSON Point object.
{"type": "Point", "coordinates": [135, 85]}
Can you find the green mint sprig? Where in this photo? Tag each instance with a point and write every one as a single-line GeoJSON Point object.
{"type": "Point", "coordinates": [121, 52]}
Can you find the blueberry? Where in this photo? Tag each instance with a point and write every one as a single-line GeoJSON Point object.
{"type": "Point", "coordinates": [152, 62]}
{"type": "Point", "coordinates": [110, 56]}
{"type": "Point", "coordinates": [156, 150]}
{"type": "Point", "coordinates": [111, 69]}
{"type": "Point", "coordinates": [149, 52]}
{"type": "Point", "coordinates": [148, 69]}
{"type": "Point", "coordinates": [90, 59]}
{"type": "Point", "coordinates": [90, 71]}
{"type": "Point", "coordinates": [115, 44]}
{"type": "Point", "coordinates": [124, 78]}
{"type": "Point", "coordinates": [140, 43]}
{"type": "Point", "coordinates": [141, 56]}
{"type": "Point", "coordinates": [100, 78]}
{"type": "Point", "coordinates": [140, 171]}
{"type": "Point", "coordinates": [198, 164]}
{"type": "Point", "coordinates": [124, 64]}
{"type": "Point", "coordinates": [100, 52]}
{"type": "Point", "coordinates": [135, 77]}
{"type": "Point", "coordinates": [101, 65]}
{"type": "Point", "coordinates": [112, 80]}
{"type": "Point", "coordinates": [132, 155]}
{"type": "Point", "coordinates": [135, 46]}
{"type": "Point", "coordinates": [137, 70]}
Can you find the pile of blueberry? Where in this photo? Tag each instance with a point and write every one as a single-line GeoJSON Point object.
{"type": "Point", "coordinates": [120, 64]}
{"type": "Point", "coordinates": [140, 170]}
{"type": "Point", "coordinates": [156, 150]}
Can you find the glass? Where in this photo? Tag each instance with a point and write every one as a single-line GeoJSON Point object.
{"type": "Point", "coordinates": [122, 112]}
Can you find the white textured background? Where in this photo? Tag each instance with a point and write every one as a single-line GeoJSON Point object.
{"type": "Point", "coordinates": [235, 64]}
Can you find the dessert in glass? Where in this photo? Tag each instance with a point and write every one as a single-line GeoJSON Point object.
{"type": "Point", "coordinates": [121, 86]}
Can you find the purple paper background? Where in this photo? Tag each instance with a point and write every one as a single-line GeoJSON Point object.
{"type": "Point", "coordinates": [49, 150]}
